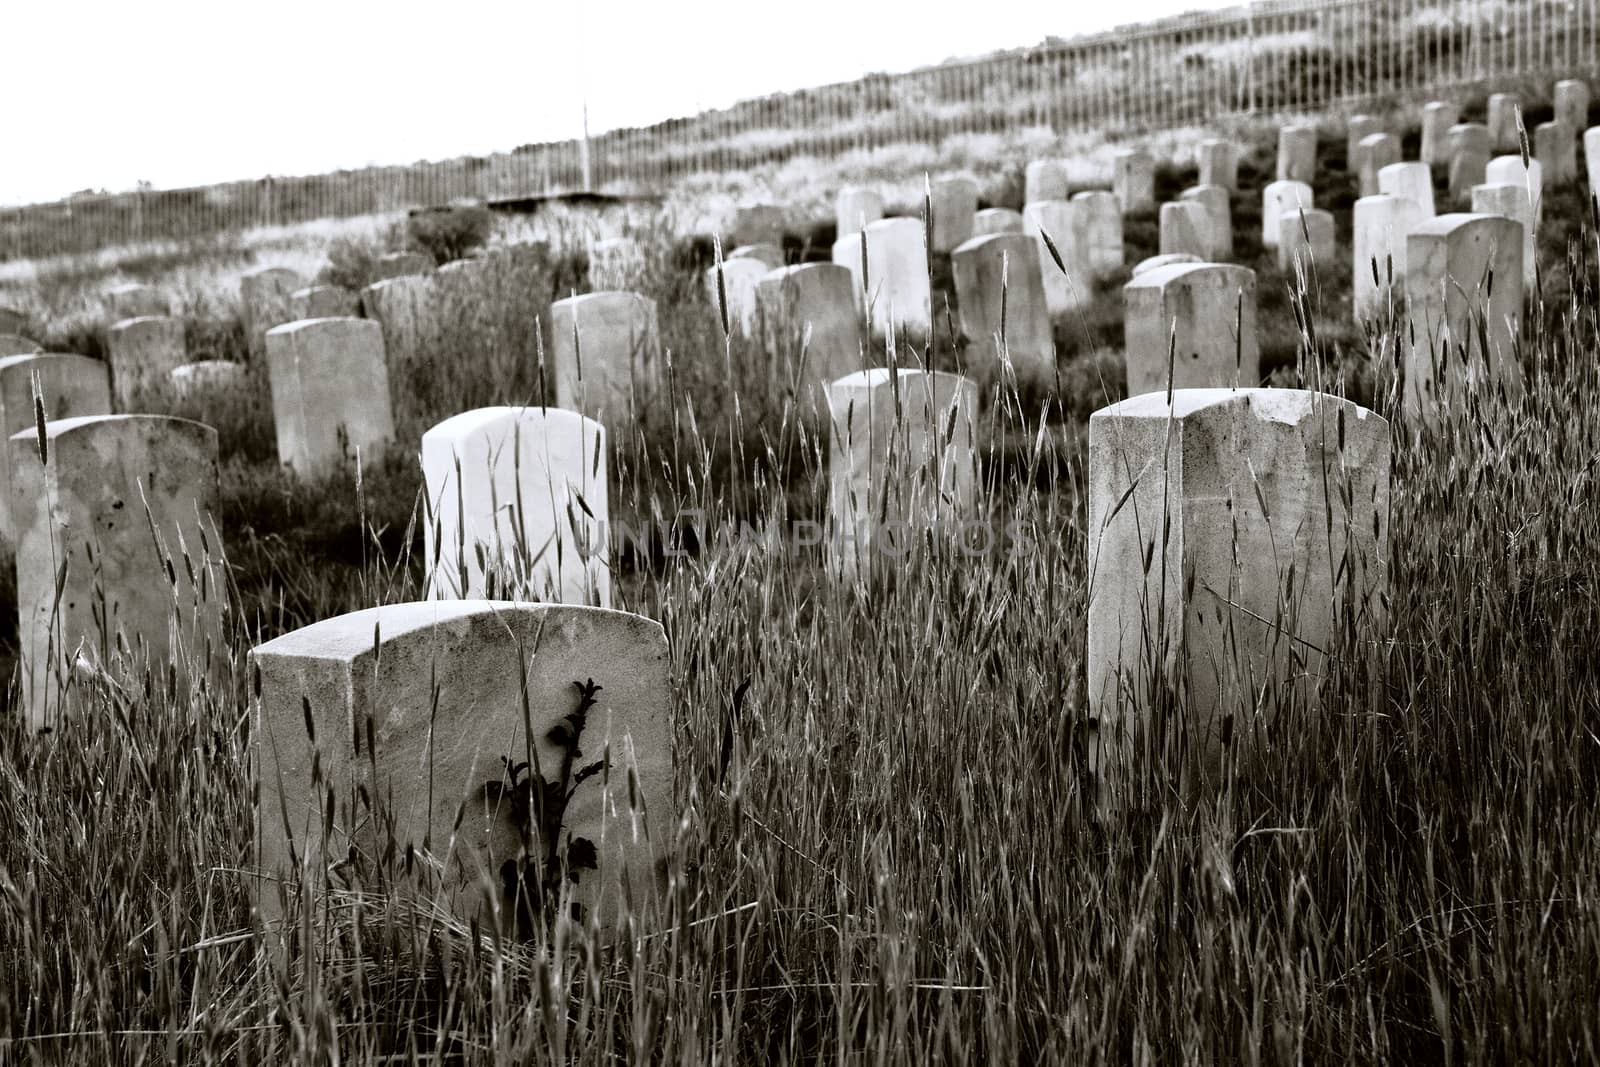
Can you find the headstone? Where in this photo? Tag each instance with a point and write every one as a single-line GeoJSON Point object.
{"type": "Point", "coordinates": [996, 220]}
{"type": "Point", "coordinates": [1000, 274]}
{"type": "Point", "coordinates": [1218, 163]}
{"type": "Point", "coordinates": [1511, 170]}
{"type": "Point", "coordinates": [1185, 229]}
{"type": "Point", "coordinates": [1297, 154]}
{"type": "Point", "coordinates": [1448, 263]}
{"type": "Point", "coordinates": [1375, 152]}
{"type": "Point", "coordinates": [901, 460]}
{"type": "Point", "coordinates": [1045, 179]}
{"type": "Point", "coordinates": [1063, 292]}
{"type": "Point", "coordinates": [738, 279]}
{"type": "Point", "coordinates": [770, 256]}
{"type": "Point", "coordinates": [1438, 118]}
{"type": "Point", "coordinates": [1571, 103]}
{"type": "Point", "coordinates": [1233, 535]}
{"type": "Point", "coordinates": [1145, 266]}
{"type": "Point", "coordinates": [810, 327]}
{"type": "Point", "coordinates": [417, 719]}
{"type": "Point", "coordinates": [955, 203]}
{"type": "Point", "coordinates": [324, 302]}
{"type": "Point", "coordinates": [1280, 198]}
{"type": "Point", "coordinates": [1101, 218]}
{"type": "Point", "coordinates": [1555, 146]}
{"type": "Point", "coordinates": [853, 209]}
{"type": "Point", "coordinates": [1503, 116]}
{"type": "Point", "coordinates": [400, 264]}
{"type": "Point", "coordinates": [1219, 221]}
{"type": "Point", "coordinates": [142, 353]}
{"type": "Point", "coordinates": [899, 296]}
{"type": "Point", "coordinates": [406, 310]}
{"type": "Point", "coordinates": [69, 386]}
{"type": "Point", "coordinates": [1133, 180]}
{"type": "Point", "coordinates": [615, 264]}
{"type": "Point", "coordinates": [1197, 318]}
{"type": "Point", "coordinates": [606, 354]}
{"type": "Point", "coordinates": [755, 225]}
{"type": "Point", "coordinates": [131, 301]}
{"type": "Point", "coordinates": [1591, 159]}
{"type": "Point", "coordinates": [13, 345]}
{"type": "Point", "coordinates": [1305, 237]}
{"type": "Point", "coordinates": [12, 321]}
{"type": "Point", "coordinates": [212, 377]}
{"type": "Point", "coordinates": [84, 512]}
{"type": "Point", "coordinates": [1469, 156]}
{"type": "Point", "coordinates": [330, 392]}
{"type": "Point", "coordinates": [1510, 200]}
{"type": "Point", "coordinates": [517, 507]}
{"type": "Point", "coordinates": [1380, 225]}
{"type": "Point", "coordinates": [1358, 129]}
{"type": "Point", "coordinates": [1414, 181]}
{"type": "Point", "coordinates": [264, 301]}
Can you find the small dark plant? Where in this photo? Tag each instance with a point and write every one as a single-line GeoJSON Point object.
{"type": "Point", "coordinates": [453, 233]}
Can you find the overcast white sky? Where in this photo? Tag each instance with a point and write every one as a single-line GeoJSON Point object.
{"type": "Point", "coordinates": [183, 92]}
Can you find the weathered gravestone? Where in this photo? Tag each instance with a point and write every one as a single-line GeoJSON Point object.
{"type": "Point", "coordinates": [1101, 217]}
{"type": "Point", "coordinates": [264, 301]}
{"type": "Point", "coordinates": [517, 507]}
{"type": "Point", "coordinates": [212, 377]}
{"type": "Point", "coordinates": [810, 328]}
{"type": "Point", "coordinates": [1449, 260]}
{"type": "Point", "coordinates": [1378, 252]}
{"type": "Point", "coordinates": [1510, 200]}
{"type": "Point", "coordinates": [1218, 162]}
{"type": "Point", "coordinates": [996, 220]}
{"type": "Point", "coordinates": [1591, 159]}
{"type": "Point", "coordinates": [1571, 103]}
{"type": "Point", "coordinates": [406, 310]}
{"type": "Point", "coordinates": [1233, 535]}
{"type": "Point", "coordinates": [67, 387]}
{"type": "Point", "coordinates": [1000, 275]}
{"type": "Point", "coordinates": [1305, 239]}
{"type": "Point", "coordinates": [1413, 181]}
{"type": "Point", "coordinates": [757, 224]}
{"type": "Point", "coordinates": [130, 600]}
{"type": "Point", "coordinates": [854, 208]}
{"type": "Point", "coordinates": [1185, 229]}
{"type": "Point", "coordinates": [1297, 154]}
{"type": "Point", "coordinates": [142, 353]}
{"type": "Point", "coordinates": [606, 353]}
{"type": "Point", "coordinates": [770, 256]}
{"type": "Point", "coordinates": [898, 295]}
{"type": "Point", "coordinates": [1555, 146]}
{"type": "Point", "coordinates": [901, 461]}
{"type": "Point", "coordinates": [1504, 113]}
{"type": "Point", "coordinates": [393, 744]}
{"type": "Point", "coordinates": [131, 300]}
{"type": "Point", "coordinates": [324, 302]}
{"type": "Point", "coordinates": [1045, 179]}
{"type": "Point", "coordinates": [400, 264]}
{"type": "Point", "coordinates": [734, 286]}
{"type": "Point", "coordinates": [1218, 236]}
{"type": "Point", "coordinates": [1133, 179]}
{"type": "Point", "coordinates": [1469, 156]}
{"type": "Point", "coordinates": [1358, 129]}
{"type": "Point", "coordinates": [1512, 171]}
{"type": "Point", "coordinates": [1278, 199]}
{"type": "Point", "coordinates": [955, 204]}
{"type": "Point", "coordinates": [1376, 151]}
{"type": "Point", "coordinates": [1199, 319]}
{"type": "Point", "coordinates": [1438, 118]}
{"type": "Point", "coordinates": [330, 392]}
{"type": "Point", "coordinates": [1062, 221]}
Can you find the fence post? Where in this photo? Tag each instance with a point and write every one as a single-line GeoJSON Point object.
{"type": "Point", "coordinates": [1250, 58]}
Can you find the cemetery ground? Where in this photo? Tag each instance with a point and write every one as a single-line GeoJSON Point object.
{"type": "Point", "coordinates": [883, 851]}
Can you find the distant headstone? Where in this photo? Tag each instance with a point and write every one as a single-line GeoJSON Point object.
{"type": "Point", "coordinates": [1438, 118]}
{"type": "Point", "coordinates": [1233, 534]}
{"type": "Point", "coordinates": [1414, 181]}
{"type": "Point", "coordinates": [212, 377]}
{"type": "Point", "coordinates": [899, 297]}
{"type": "Point", "coordinates": [616, 264]}
{"type": "Point", "coordinates": [1045, 179]}
{"type": "Point", "coordinates": [330, 392]}
{"type": "Point", "coordinates": [1297, 154]}
{"type": "Point", "coordinates": [1199, 318]}
{"type": "Point", "coordinates": [996, 220]}
{"type": "Point", "coordinates": [400, 264]}
{"type": "Point", "coordinates": [1280, 198]}
{"type": "Point", "coordinates": [1218, 163]}
{"type": "Point", "coordinates": [1378, 255]}
{"type": "Point", "coordinates": [429, 711]}
{"type": "Point", "coordinates": [810, 327]}
{"type": "Point", "coordinates": [854, 208]}
{"type": "Point", "coordinates": [1145, 266]}
{"type": "Point", "coordinates": [1063, 292]}
{"type": "Point", "coordinates": [737, 281]}
{"type": "Point", "coordinates": [1219, 219]}
{"type": "Point", "coordinates": [1376, 151]}
{"type": "Point", "coordinates": [131, 301]}
{"type": "Point", "coordinates": [406, 309]}
{"type": "Point", "coordinates": [1555, 146]}
{"type": "Point", "coordinates": [1469, 156]}
{"type": "Point", "coordinates": [1133, 179]}
{"type": "Point", "coordinates": [1358, 129]}
{"type": "Point", "coordinates": [1101, 217]}
{"type": "Point", "coordinates": [1449, 260]}
{"type": "Point", "coordinates": [1185, 229]}
{"type": "Point", "coordinates": [1510, 200]}
{"type": "Point", "coordinates": [517, 507]}
{"type": "Point", "coordinates": [264, 301]}
{"type": "Point", "coordinates": [771, 256]}
{"type": "Point", "coordinates": [324, 302]}
{"type": "Point", "coordinates": [606, 355]}
{"type": "Point", "coordinates": [1591, 159]}
{"type": "Point", "coordinates": [69, 386]}
{"type": "Point", "coordinates": [757, 224]}
{"type": "Point", "coordinates": [1305, 237]}
{"type": "Point", "coordinates": [1000, 274]}
{"type": "Point", "coordinates": [142, 353]}
{"type": "Point", "coordinates": [13, 345]}
{"type": "Point", "coordinates": [1511, 170]}
{"type": "Point", "coordinates": [955, 204]}
{"type": "Point", "coordinates": [84, 511]}
{"type": "Point", "coordinates": [1571, 103]}
{"type": "Point", "coordinates": [1504, 111]}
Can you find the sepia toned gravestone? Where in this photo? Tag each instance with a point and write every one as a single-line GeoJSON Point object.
{"type": "Point", "coordinates": [393, 749]}
{"type": "Point", "coordinates": [1278, 199]}
{"type": "Point", "coordinates": [1555, 146]}
{"type": "Point", "coordinates": [901, 460]}
{"type": "Point", "coordinates": [330, 392]}
{"type": "Point", "coordinates": [400, 264]}
{"type": "Point", "coordinates": [1376, 151]}
{"type": "Point", "coordinates": [1358, 129]}
{"type": "Point", "coordinates": [1469, 157]}
{"type": "Point", "coordinates": [1185, 229]}
{"type": "Point", "coordinates": [1218, 236]}
{"type": "Point", "coordinates": [1133, 179]}
{"type": "Point", "coordinates": [999, 275]}
{"type": "Point", "coordinates": [131, 600]}
{"type": "Point", "coordinates": [1297, 154]}
{"type": "Point", "coordinates": [996, 220]}
{"type": "Point", "coordinates": [517, 507]}
{"type": "Point", "coordinates": [1380, 225]}
{"type": "Point", "coordinates": [1045, 179]}
{"type": "Point", "coordinates": [853, 209]}
{"type": "Point", "coordinates": [324, 302]}
{"type": "Point", "coordinates": [810, 327]}
{"type": "Point", "coordinates": [67, 386]}
{"type": "Point", "coordinates": [616, 264]}
{"type": "Point", "coordinates": [1438, 118]}
{"type": "Point", "coordinates": [1233, 535]}
{"type": "Point", "coordinates": [1512, 171]}
{"type": "Point", "coordinates": [1218, 162]}
{"type": "Point", "coordinates": [737, 281]}
{"type": "Point", "coordinates": [955, 206]}
{"type": "Point", "coordinates": [1199, 318]}
{"type": "Point", "coordinates": [1510, 200]}
{"type": "Point", "coordinates": [1449, 261]}
{"type": "Point", "coordinates": [1413, 181]}
{"type": "Point", "coordinates": [264, 301]}
{"type": "Point", "coordinates": [898, 294]}
{"type": "Point", "coordinates": [1306, 238]}
{"type": "Point", "coordinates": [1504, 110]}
{"type": "Point", "coordinates": [1063, 292]}
{"type": "Point", "coordinates": [142, 353]}
{"type": "Point", "coordinates": [131, 300]}
{"type": "Point", "coordinates": [14, 345]}
{"type": "Point", "coordinates": [12, 321]}
{"type": "Point", "coordinates": [771, 256]}
{"type": "Point", "coordinates": [1145, 266]}
{"type": "Point", "coordinates": [1101, 218]}
{"type": "Point", "coordinates": [606, 352]}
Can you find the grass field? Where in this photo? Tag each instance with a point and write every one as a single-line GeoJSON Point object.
{"type": "Point", "coordinates": [883, 854]}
